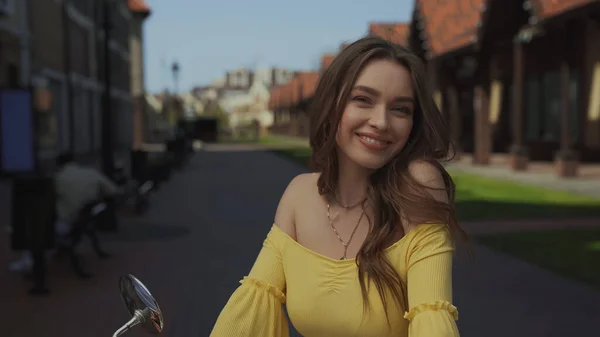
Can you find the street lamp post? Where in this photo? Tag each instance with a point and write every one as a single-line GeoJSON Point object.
{"type": "Point", "coordinates": [175, 70]}
{"type": "Point", "coordinates": [107, 141]}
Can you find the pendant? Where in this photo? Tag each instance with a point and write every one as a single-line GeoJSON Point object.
{"type": "Point", "coordinates": [343, 257]}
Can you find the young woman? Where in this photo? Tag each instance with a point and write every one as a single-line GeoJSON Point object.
{"type": "Point", "coordinates": [363, 246]}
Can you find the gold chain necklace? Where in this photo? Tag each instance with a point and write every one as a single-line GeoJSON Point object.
{"type": "Point", "coordinates": [345, 244]}
{"type": "Point", "coordinates": [349, 206]}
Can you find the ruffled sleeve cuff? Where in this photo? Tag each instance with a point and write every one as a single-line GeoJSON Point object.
{"type": "Point", "coordinates": [436, 319]}
{"type": "Point", "coordinates": [254, 309]}
{"type": "Point", "coordinates": [269, 288]}
{"type": "Point", "coordinates": [435, 306]}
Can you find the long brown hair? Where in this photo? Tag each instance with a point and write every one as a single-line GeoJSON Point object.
{"type": "Point", "coordinates": [393, 194]}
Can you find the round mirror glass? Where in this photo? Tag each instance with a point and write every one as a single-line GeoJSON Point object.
{"type": "Point", "coordinates": [138, 298]}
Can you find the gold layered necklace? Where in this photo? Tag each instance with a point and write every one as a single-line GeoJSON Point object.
{"type": "Point", "coordinates": [345, 244]}
{"type": "Point", "coordinates": [349, 206]}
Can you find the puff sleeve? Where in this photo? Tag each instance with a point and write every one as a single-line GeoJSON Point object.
{"type": "Point", "coordinates": [429, 284]}
{"type": "Point", "coordinates": [256, 306]}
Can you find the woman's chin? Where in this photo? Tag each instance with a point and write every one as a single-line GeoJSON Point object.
{"type": "Point", "coordinates": [370, 162]}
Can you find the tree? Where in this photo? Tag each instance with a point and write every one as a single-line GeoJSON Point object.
{"type": "Point", "coordinates": [214, 109]}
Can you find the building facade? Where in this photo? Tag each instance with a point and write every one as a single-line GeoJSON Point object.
{"type": "Point", "coordinates": [240, 78]}
{"type": "Point", "coordinates": [511, 76]}
{"type": "Point", "coordinates": [517, 77]}
{"type": "Point", "coordinates": [14, 40]}
{"type": "Point", "coordinates": [243, 78]}
{"type": "Point", "coordinates": [71, 60]}
{"type": "Point", "coordinates": [141, 112]}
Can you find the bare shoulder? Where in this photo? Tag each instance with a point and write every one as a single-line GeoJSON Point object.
{"type": "Point", "coordinates": [433, 186]}
{"type": "Point", "coordinates": [303, 179]}
{"type": "Point", "coordinates": [296, 191]}
{"type": "Point", "coordinates": [426, 174]}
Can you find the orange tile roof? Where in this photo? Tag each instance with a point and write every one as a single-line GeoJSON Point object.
{"type": "Point", "coordinates": [285, 96]}
{"type": "Point", "coordinates": [301, 87]}
{"type": "Point", "coordinates": [392, 32]}
{"type": "Point", "coordinates": [309, 81]}
{"type": "Point", "coordinates": [450, 24]}
{"type": "Point", "coordinates": [326, 61]}
{"type": "Point", "coordinates": [273, 98]}
{"type": "Point", "coordinates": [280, 93]}
{"type": "Point", "coordinates": [545, 9]}
{"type": "Point", "coordinates": [138, 6]}
{"type": "Point", "coordinates": [294, 87]}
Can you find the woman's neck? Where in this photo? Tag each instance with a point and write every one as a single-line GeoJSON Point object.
{"type": "Point", "coordinates": [353, 181]}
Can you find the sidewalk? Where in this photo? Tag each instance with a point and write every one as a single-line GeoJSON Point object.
{"type": "Point", "coordinates": [539, 174]}
{"type": "Point", "coordinates": [200, 236]}
{"type": "Point", "coordinates": [493, 227]}
{"type": "Point", "coordinates": [93, 308]}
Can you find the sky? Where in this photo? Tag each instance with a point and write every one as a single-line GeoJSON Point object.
{"type": "Point", "coordinates": [207, 38]}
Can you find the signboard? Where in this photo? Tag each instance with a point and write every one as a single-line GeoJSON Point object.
{"type": "Point", "coordinates": [7, 7]}
{"type": "Point", "coordinates": [17, 148]}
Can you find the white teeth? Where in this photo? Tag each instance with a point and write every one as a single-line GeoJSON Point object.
{"type": "Point", "coordinates": [371, 140]}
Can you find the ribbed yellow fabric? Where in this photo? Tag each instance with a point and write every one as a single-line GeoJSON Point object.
{"type": "Point", "coordinates": [323, 295]}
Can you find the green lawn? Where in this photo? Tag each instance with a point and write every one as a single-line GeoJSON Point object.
{"type": "Point", "coordinates": [570, 253]}
{"type": "Point", "coordinates": [481, 198]}
{"type": "Point", "coordinates": [283, 142]}
{"type": "Point", "coordinates": [287, 143]}
{"type": "Point", "coordinates": [237, 140]}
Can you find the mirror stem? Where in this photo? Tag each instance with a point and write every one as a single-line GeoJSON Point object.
{"type": "Point", "coordinates": [135, 320]}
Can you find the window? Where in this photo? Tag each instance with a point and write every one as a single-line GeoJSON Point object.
{"type": "Point", "coordinates": [551, 106]}
{"type": "Point", "coordinates": [13, 76]}
{"type": "Point", "coordinates": [82, 116]}
{"type": "Point", "coordinates": [543, 106]}
{"type": "Point", "coordinates": [94, 126]}
{"type": "Point", "coordinates": [533, 109]}
{"type": "Point", "coordinates": [98, 111]}
{"type": "Point", "coordinates": [115, 126]}
{"type": "Point", "coordinates": [47, 120]}
{"type": "Point", "coordinates": [85, 7]}
{"type": "Point", "coordinates": [574, 105]}
{"type": "Point", "coordinates": [122, 125]}
{"type": "Point", "coordinates": [507, 108]}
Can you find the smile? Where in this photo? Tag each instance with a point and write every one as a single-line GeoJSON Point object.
{"type": "Point", "coordinates": [373, 143]}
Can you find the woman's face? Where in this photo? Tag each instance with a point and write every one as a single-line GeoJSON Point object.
{"type": "Point", "coordinates": [378, 117]}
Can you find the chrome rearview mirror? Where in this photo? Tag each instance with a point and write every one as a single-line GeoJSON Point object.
{"type": "Point", "coordinates": [142, 307]}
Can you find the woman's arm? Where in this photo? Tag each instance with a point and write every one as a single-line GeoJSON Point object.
{"type": "Point", "coordinates": [429, 271]}
{"type": "Point", "coordinates": [255, 308]}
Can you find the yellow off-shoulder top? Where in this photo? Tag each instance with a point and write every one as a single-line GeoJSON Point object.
{"type": "Point", "coordinates": [323, 295]}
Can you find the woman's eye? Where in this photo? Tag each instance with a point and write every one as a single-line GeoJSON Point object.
{"type": "Point", "coordinates": [402, 110]}
{"type": "Point", "coordinates": [361, 99]}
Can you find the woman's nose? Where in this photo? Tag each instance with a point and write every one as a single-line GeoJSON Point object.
{"type": "Point", "coordinates": [379, 117]}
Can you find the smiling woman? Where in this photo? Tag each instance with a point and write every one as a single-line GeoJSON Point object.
{"type": "Point", "coordinates": [378, 119]}
{"type": "Point", "coordinates": [362, 246]}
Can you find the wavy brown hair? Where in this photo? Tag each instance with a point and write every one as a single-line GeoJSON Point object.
{"type": "Point", "coordinates": [392, 193]}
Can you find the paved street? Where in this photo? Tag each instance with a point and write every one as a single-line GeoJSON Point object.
{"type": "Point", "coordinates": [201, 236]}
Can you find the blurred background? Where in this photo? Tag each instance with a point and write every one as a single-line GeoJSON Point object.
{"type": "Point", "coordinates": [198, 111]}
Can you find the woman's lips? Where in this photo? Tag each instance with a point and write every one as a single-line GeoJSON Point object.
{"type": "Point", "coordinates": [373, 142]}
